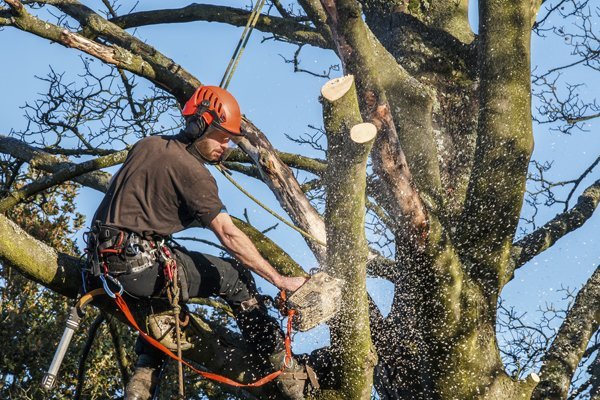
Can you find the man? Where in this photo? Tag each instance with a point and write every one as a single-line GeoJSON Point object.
{"type": "Point", "coordinates": [163, 187]}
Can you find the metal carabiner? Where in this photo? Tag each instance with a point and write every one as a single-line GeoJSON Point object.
{"type": "Point", "coordinates": [107, 289]}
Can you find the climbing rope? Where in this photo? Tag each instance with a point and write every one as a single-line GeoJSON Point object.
{"type": "Point", "coordinates": [266, 208]}
{"type": "Point", "coordinates": [241, 46]}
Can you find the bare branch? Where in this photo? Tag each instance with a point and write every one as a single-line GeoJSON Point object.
{"type": "Point", "coordinates": [563, 356]}
{"type": "Point", "coordinates": [289, 28]}
{"type": "Point", "coordinates": [61, 176]}
{"type": "Point", "coordinates": [298, 161]}
{"type": "Point", "coordinates": [544, 237]}
{"type": "Point", "coordinates": [41, 160]}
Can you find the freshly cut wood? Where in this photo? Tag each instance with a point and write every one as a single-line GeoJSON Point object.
{"type": "Point", "coordinates": [337, 88]}
{"type": "Point", "coordinates": [363, 133]}
{"type": "Point", "coordinates": [534, 377]}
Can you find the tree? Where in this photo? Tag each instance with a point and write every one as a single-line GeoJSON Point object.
{"type": "Point", "coordinates": [444, 175]}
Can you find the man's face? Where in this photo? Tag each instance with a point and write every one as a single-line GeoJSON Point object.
{"type": "Point", "coordinates": [213, 144]}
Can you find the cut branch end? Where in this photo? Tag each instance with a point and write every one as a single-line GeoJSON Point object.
{"type": "Point", "coordinates": [337, 88]}
{"type": "Point", "coordinates": [363, 133]}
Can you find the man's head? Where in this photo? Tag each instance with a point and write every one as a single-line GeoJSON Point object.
{"type": "Point", "coordinates": [213, 120]}
{"type": "Point", "coordinates": [214, 145]}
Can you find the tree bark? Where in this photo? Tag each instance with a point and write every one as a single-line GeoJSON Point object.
{"type": "Point", "coordinates": [563, 356]}
{"type": "Point", "coordinates": [504, 141]}
{"type": "Point", "coordinates": [349, 143]}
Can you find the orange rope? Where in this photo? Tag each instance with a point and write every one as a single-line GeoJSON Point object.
{"type": "Point", "coordinates": [209, 375]}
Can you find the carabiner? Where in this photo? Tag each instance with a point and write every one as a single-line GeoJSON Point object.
{"type": "Point", "coordinates": [107, 288]}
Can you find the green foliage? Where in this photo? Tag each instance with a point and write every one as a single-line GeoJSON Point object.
{"type": "Point", "coordinates": [33, 318]}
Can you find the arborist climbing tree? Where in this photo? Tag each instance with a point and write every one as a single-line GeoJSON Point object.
{"type": "Point", "coordinates": [129, 243]}
{"type": "Point", "coordinates": [429, 136]}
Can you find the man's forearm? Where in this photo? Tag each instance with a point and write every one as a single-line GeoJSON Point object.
{"type": "Point", "coordinates": [242, 248]}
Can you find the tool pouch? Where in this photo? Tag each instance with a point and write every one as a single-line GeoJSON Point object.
{"type": "Point", "coordinates": [161, 326]}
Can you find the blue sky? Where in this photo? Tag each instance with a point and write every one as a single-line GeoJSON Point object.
{"type": "Point", "coordinates": [281, 102]}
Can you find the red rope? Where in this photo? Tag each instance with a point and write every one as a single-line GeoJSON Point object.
{"type": "Point", "coordinates": [209, 375]}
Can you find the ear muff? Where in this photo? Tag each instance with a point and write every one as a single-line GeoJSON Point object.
{"type": "Point", "coordinates": [195, 126]}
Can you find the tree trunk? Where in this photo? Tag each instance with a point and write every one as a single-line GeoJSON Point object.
{"type": "Point", "coordinates": [349, 143]}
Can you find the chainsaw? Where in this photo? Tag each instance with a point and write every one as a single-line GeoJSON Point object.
{"type": "Point", "coordinates": [315, 302]}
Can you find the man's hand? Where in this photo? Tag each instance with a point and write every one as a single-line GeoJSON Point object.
{"type": "Point", "coordinates": [291, 284]}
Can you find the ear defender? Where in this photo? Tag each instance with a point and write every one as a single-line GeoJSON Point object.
{"type": "Point", "coordinates": [196, 125]}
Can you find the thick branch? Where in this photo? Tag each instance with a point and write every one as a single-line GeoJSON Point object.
{"type": "Point", "coordinates": [41, 160]}
{"type": "Point", "coordinates": [162, 70]}
{"type": "Point", "coordinates": [37, 261]}
{"type": "Point", "coordinates": [504, 134]}
{"type": "Point", "coordinates": [358, 55]}
{"type": "Point", "coordinates": [570, 343]}
{"type": "Point", "coordinates": [349, 144]}
{"type": "Point", "coordinates": [452, 17]}
{"type": "Point", "coordinates": [564, 223]}
{"type": "Point", "coordinates": [284, 185]}
{"type": "Point", "coordinates": [284, 27]}
{"type": "Point", "coordinates": [117, 56]}
{"type": "Point", "coordinates": [318, 16]}
{"type": "Point", "coordinates": [270, 251]}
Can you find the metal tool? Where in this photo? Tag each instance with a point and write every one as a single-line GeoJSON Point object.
{"type": "Point", "coordinates": [315, 302]}
{"type": "Point", "coordinates": [77, 312]}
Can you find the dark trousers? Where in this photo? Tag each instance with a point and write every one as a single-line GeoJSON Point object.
{"type": "Point", "coordinates": [208, 276]}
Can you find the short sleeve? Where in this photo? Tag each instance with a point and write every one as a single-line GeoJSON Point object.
{"type": "Point", "coordinates": [201, 197]}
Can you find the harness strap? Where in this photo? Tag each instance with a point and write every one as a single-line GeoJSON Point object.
{"type": "Point", "coordinates": [209, 375]}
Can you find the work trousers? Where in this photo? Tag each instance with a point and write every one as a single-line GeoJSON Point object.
{"type": "Point", "coordinates": [208, 276]}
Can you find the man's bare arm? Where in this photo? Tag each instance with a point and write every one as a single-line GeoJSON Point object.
{"type": "Point", "coordinates": [242, 248]}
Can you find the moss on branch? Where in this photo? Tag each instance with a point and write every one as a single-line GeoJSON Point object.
{"type": "Point", "coordinates": [504, 140]}
{"type": "Point", "coordinates": [283, 263]}
{"type": "Point", "coordinates": [544, 237]}
{"type": "Point", "coordinates": [38, 261]}
{"type": "Point", "coordinates": [347, 251]}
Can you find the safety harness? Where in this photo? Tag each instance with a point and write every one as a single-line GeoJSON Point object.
{"type": "Point", "coordinates": [108, 243]}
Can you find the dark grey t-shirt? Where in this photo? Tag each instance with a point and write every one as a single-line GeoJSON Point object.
{"type": "Point", "coordinates": [160, 189]}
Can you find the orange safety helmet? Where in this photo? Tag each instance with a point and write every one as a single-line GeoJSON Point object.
{"type": "Point", "coordinates": [221, 109]}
